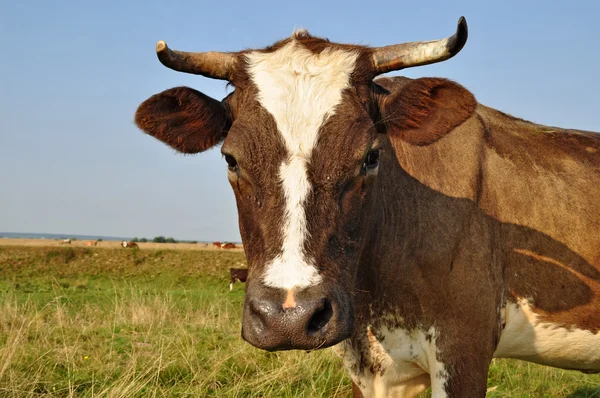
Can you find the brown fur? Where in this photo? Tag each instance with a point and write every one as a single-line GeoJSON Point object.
{"type": "Point", "coordinates": [253, 141]}
{"type": "Point", "coordinates": [184, 119]}
{"type": "Point", "coordinates": [424, 110]}
{"type": "Point", "coordinates": [471, 210]}
{"type": "Point", "coordinates": [356, 391]}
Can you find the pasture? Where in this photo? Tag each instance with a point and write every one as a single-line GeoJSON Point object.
{"type": "Point", "coordinates": [161, 322]}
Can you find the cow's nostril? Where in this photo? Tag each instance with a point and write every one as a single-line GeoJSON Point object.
{"type": "Point", "coordinates": [321, 318]}
{"type": "Point", "coordinates": [261, 311]}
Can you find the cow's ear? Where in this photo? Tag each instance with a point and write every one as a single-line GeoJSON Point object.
{"type": "Point", "coordinates": [423, 110]}
{"type": "Point", "coordinates": [184, 119]}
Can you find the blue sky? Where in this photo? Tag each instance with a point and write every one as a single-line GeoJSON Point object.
{"type": "Point", "coordinates": [72, 74]}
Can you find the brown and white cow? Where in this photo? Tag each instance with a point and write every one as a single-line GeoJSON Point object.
{"type": "Point", "coordinates": [91, 243]}
{"type": "Point", "coordinates": [130, 245]}
{"type": "Point", "coordinates": [228, 245]}
{"type": "Point", "coordinates": [425, 232]}
{"type": "Point", "coordinates": [237, 274]}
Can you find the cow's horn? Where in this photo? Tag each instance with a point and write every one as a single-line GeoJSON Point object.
{"type": "Point", "coordinates": [406, 55]}
{"type": "Point", "coordinates": [217, 65]}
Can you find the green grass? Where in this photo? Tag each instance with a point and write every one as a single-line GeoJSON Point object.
{"type": "Point", "coordinates": [79, 322]}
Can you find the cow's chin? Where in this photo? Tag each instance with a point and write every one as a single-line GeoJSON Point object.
{"type": "Point", "coordinates": [316, 322]}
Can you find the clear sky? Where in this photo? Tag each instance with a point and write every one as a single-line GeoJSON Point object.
{"type": "Point", "coordinates": [72, 74]}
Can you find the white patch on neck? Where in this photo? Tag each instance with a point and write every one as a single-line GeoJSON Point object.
{"type": "Point", "coordinates": [407, 360]}
{"type": "Point", "coordinates": [301, 91]}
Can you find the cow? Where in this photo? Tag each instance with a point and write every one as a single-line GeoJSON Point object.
{"type": "Point", "coordinates": [91, 243]}
{"type": "Point", "coordinates": [217, 244]}
{"type": "Point", "coordinates": [419, 231]}
{"type": "Point", "coordinates": [237, 274]}
{"type": "Point", "coordinates": [65, 242]}
{"type": "Point", "coordinates": [131, 245]}
{"type": "Point", "coordinates": [228, 245]}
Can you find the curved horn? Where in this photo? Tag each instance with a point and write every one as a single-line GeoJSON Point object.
{"type": "Point", "coordinates": [217, 65]}
{"type": "Point", "coordinates": [406, 55]}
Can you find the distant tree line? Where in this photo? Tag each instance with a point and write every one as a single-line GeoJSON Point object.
{"type": "Point", "coordinates": [158, 239]}
{"type": "Point", "coordinates": [162, 239]}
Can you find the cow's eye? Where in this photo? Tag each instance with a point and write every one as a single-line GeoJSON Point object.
{"type": "Point", "coordinates": [231, 163]}
{"type": "Point", "coordinates": [371, 161]}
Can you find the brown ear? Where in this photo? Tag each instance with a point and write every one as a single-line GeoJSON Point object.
{"type": "Point", "coordinates": [424, 110]}
{"type": "Point", "coordinates": [184, 119]}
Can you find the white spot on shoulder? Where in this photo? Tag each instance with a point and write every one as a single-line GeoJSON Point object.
{"type": "Point", "coordinates": [300, 90]}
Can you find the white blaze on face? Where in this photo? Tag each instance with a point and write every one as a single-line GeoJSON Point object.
{"type": "Point", "coordinates": [301, 91]}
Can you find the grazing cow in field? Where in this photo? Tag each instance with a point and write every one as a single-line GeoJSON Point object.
{"type": "Point", "coordinates": [131, 245]}
{"type": "Point", "coordinates": [217, 244]}
{"type": "Point", "coordinates": [237, 274]}
{"type": "Point", "coordinates": [227, 246]}
{"type": "Point", "coordinates": [91, 243]}
{"type": "Point", "coordinates": [65, 242]}
{"type": "Point", "coordinates": [424, 231]}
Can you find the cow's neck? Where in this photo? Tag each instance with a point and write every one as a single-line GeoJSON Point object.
{"type": "Point", "coordinates": [424, 202]}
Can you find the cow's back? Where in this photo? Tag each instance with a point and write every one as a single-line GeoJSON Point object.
{"type": "Point", "coordinates": [543, 185]}
{"type": "Point", "coordinates": [543, 178]}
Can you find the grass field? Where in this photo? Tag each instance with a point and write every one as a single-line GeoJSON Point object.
{"type": "Point", "coordinates": [108, 322]}
{"type": "Point", "coordinates": [110, 244]}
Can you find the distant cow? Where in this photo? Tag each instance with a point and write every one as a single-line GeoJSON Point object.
{"type": "Point", "coordinates": [65, 242]}
{"type": "Point", "coordinates": [91, 243]}
{"type": "Point", "coordinates": [237, 274]}
{"type": "Point", "coordinates": [131, 245]}
{"type": "Point", "coordinates": [227, 246]}
{"type": "Point", "coordinates": [217, 245]}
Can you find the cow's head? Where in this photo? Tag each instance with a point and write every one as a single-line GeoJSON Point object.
{"type": "Point", "coordinates": [305, 135]}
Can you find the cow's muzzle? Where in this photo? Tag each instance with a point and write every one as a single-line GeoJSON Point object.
{"type": "Point", "coordinates": [317, 319]}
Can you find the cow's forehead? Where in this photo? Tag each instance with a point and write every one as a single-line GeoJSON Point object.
{"type": "Point", "coordinates": [300, 89]}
